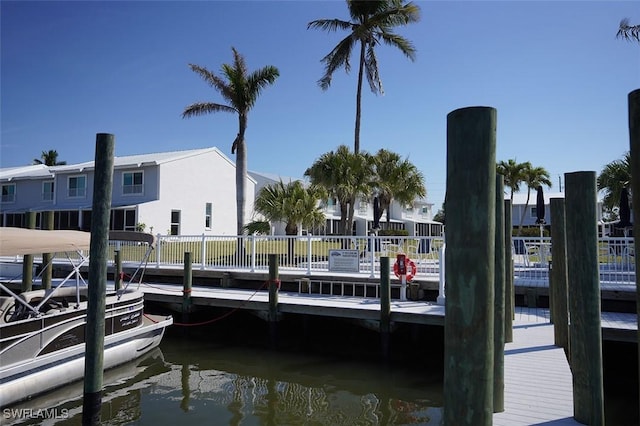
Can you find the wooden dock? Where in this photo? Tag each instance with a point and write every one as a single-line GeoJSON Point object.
{"type": "Point", "coordinates": [538, 381]}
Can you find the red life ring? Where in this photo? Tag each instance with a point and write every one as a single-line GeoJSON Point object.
{"type": "Point", "coordinates": [409, 266]}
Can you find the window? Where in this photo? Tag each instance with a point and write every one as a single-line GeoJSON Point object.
{"type": "Point", "coordinates": [77, 186]}
{"type": "Point", "coordinates": [47, 191]}
{"type": "Point", "coordinates": [175, 222]}
{"type": "Point", "coordinates": [67, 219]}
{"type": "Point", "coordinates": [207, 215]}
{"type": "Point", "coordinates": [132, 183]}
{"type": "Point", "coordinates": [123, 220]}
{"type": "Point", "coordinates": [9, 193]}
{"type": "Point", "coordinates": [534, 212]}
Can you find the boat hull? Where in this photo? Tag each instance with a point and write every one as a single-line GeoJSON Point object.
{"type": "Point", "coordinates": [48, 372]}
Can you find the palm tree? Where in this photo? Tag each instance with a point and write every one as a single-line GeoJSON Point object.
{"type": "Point", "coordinates": [240, 90]}
{"type": "Point", "coordinates": [345, 176]}
{"type": "Point", "coordinates": [49, 158]}
{"type": "Point", "coordinates": [627, 31]}
{"type": "Point", "coordinates": [513, 173]}
{"type": "Point", "coordinates": [615, 176]}
{"type": "Point", "coordinates": [396, 179]}
{"type": "Point", "coordinates": [533, 177]}
{"type": "Point", "coordinates": [293, 204]}
{"type": "Point", "coordinates": [371, 24]}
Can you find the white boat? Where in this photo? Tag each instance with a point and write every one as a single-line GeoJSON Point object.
{"type": "Point", "coordinates": [42, 332]}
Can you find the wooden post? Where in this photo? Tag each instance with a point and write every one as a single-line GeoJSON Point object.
{"type": "Point", "coordinates": [274, 285]}
{"type": "Point", "coordinates": [470, 268]}
{"type": "Point", "coordinates": [634, 143]}
{"type": "Point", "coordinates": [499, 301]}
{"type": "Point", "coordinates": [117, 272]}
{"type": "Point", "coordinates": [584, 297]}
{"type": "Point", "coordinates": [509, 293]}
{"type": "Point", "coordinates": [47, 272]}
{"type": "Point", "coordinates": [187, 284]}
{"type": "Point", "coordinates": [385, 306]}
{"type": "Point", "coordinates": [558, 290]}
{"type": "Point", "coordinates": [27, 259]}
{"type": "Point", "coordinates": [94, 331]}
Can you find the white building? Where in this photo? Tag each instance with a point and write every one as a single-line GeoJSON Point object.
{"type": "Point", "coordinates": [188, 192]}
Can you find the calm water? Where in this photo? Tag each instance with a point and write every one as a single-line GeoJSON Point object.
{"type": "Point", "coordinates": [216, 375]}
{"type": "Point", "coordinates": [197, 380]}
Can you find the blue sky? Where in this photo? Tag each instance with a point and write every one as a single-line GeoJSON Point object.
{"type": "Point", "coordinates": [554, 71]}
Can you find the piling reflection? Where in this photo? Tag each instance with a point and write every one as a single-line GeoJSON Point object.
{"type": "Point", "coordinates": [192, 382]}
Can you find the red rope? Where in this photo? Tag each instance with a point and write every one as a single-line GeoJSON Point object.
{"type": "Point", "coordinates": [211, 321]}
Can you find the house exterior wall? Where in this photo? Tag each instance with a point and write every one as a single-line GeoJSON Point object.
{"type": "Point", "coordinates": [187, 185]}
{"type": "Point", "coordinates": [183, 181]}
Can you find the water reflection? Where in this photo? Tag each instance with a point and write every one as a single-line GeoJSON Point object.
{"type": "Point", "coordinates": [196, 382]}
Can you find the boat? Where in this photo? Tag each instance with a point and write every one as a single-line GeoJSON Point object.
{"type": "Point", "coordinates": [42, 331]}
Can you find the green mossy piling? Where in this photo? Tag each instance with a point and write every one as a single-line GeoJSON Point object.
{"type": "Point", "coordinates": [470, 266]}
{"type": "Point", "coordinates": [558, 283]}
{"type": "Point", "coordinates": [585, 333]}
{"type": "Point", "coordinates": [98, 252]}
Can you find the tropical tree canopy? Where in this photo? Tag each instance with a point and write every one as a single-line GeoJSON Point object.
{"type": "Point", "coordinates": [627, 31]}
{"type": "Point", "coordinates": [613, 177]}
{"type": "Point", "coordinates": [345, 176]}
{"type": "Point", "coordinates": [513, 173]}
{"type": "Point", "coordinates": [396, 179]}
{"type": "Point", "coordinates": [371, 24]}
{"type": "Point", "coordinates": [49, 158]}
{"type": "Point", "coordinates": [533, 177]}
{"type": "Point", "coordinates": [292, 204]}
{"type": "Point", "coordinates": [240, 89]}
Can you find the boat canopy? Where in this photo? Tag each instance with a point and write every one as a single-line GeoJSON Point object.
{"type": "Point", "coordinates": [21, 241]}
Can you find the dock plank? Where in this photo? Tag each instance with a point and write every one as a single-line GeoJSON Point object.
{"type": "Point", "coordinates": [538, 382]}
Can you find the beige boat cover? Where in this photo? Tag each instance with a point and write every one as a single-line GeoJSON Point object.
{"type": "Point", "coordinates": [20, 241]}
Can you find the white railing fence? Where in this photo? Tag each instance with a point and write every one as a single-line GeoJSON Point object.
{"type": "Point", "coordinates": [309, 254]}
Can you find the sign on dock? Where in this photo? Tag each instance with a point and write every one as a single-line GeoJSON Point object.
{"type": "Point", "coordinates": [344, 261]}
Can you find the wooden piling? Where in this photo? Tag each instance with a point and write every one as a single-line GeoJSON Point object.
{"type": "Point", "coordinates": [187, 284]}
{"type": "Point", "coordinates": [585, 333]}
{"type": "Point", "coordinates": [47, 271]}
{"type": "Point", "coordinates": [470, 268]}
{"type": "Point", "coordinates": [385, 306]}
{"type": "Point", "coordinates": [27, 259]}
{"type": "Point", "coordinates": [274, 286]}
{"type": "Point", "coordinates": [558, 283]}
{"type": "Point", "coordinates": [509, 291]}
{"type": "Point", "coordinates": [98, 252]}
{"type": "Point", "coordinates": [117, 271]}
{"type": "Point", "coordinates": [499, 301]}
{"type": "Point", "coordinates": [634, 143]}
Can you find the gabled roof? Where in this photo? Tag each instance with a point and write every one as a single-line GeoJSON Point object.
{"type": "Point", "coordinates": [33, 171]}
{"type": "Point", "coordinates": [273, 177]}
{"type": "Point", "coordinates": [520, 198]}
{"type": "Point", "coordinates": [138, 160]}
{"type": "Point", "coordinates": [39, 171]}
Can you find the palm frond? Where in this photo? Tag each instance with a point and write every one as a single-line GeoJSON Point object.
{"type": "Point", "coordinates": [258, 80]}
{"type": "Point", "coordinates": [213, 80]}
{"type": "Point", "coordinates": [337, 58]}
{"type": "Point", "coordinates": [330, 25]}
{"type": "Point", "coordinates": [371, 71]}
{"type": "Point", "coordinates": [628, 32]}
{"type": "Point", "coordinates": [202, 108]}
{"type": "Point", "coordinates": [399, 42]}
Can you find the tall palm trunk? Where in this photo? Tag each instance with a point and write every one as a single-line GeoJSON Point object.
{"type": "Point", "coordinates": [356, 142]}
{"type": "Point", "coordinates": [241, 173]}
